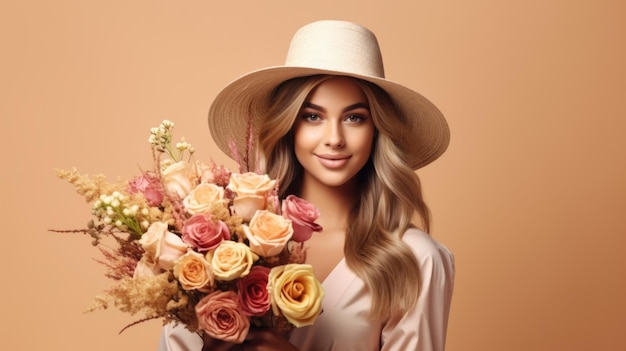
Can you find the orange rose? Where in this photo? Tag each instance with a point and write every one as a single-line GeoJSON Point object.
{"type": "Point", "coordinates": [268, 233]}
{"type": "Point", "coordinates": [193, 272]}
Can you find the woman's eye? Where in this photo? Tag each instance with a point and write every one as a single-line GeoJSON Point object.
{"type": "Point", "coordinates": [354, 118]}
{"type": "Point", "coordinates": [311, 117]}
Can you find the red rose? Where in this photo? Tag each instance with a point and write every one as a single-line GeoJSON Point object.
{"type": "Point", "coordinates": [220, 316]}
{"type": "Point", "coordinates": [302, 215]}
{"type": "Point", "coordinates": [255, 300]}
{"type": "Point", "coordinates": [203, 234]}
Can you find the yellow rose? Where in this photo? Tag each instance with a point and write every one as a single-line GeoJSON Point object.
{"type": "Point", "coordinates": [268, 233]}
{"type": "Point", "coordinates": [178, 179]}
{"type": "Point", "coordinates": [193, 272]}
{"type": "Point", "coordinates": [202, 197]}
{"type": "Point", "coordinates": [295, 292]}
{"type": "Point", "coordinates": [253, 191]}
{"type": "Point", "coordinates": [231, 260]}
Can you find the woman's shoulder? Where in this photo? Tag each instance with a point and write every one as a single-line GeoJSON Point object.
{"type": "Point", "coordinates": [427, 248]}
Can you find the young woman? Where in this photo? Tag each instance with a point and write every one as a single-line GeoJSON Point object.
{"type": "Point", "coordinates": [332, 130]}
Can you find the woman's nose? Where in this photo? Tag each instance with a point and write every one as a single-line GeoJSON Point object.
{"type": "Point", "coordinates": [334, 136]}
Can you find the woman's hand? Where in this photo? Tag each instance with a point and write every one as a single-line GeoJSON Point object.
{"type": "Point", "coordinates": [266, 340]}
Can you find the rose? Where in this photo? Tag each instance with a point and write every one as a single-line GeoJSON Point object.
{"type": "Point", "coordinates": [203, 234]}
{"type": "Point", "coordinates": [253, 191]}
{"type": "Point", "coordinates": [295, 292]}
{"type": "Point", "coordinates": [194, 272]}
{"type": "Point", "coordinates": [150, 186]}
{"type": "Point", "coordinates": [255, 300]}
{"type": "Point", "coordinates": [162, 247]}
{"type": "Point", "coordinates": [302, 215]}
{"type": "Point", "coordinates": [146, 268]}
{"type": "Point", "coordinates": [177, 179]}
{"type": "Point", "coordinates": [231, 260]}
{"type": "Point", "coordinates": [268, 233]}
{"type": "Point", "coordinates": [219, 314]}
{"type": "Point", "coordinates": [202, 198]}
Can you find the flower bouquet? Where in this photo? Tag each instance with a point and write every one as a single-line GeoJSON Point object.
{"type": "Point", "coordinates": [197, 244]}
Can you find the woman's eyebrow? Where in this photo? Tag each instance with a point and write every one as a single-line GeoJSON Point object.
{"type": "Point", "coordinates": [347, 108]}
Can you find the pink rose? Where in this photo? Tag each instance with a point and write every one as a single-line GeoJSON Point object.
{"type": "Point", "coordinates": [255, 300]}
{"type": "Point", "coordinates": [303, 215]}
{"type": "Point", "coordinates": [203, 234]}
{"type": "Point", "coordinates": [150, 186]}
{"type": "Point", "coordinates": [220, 316]}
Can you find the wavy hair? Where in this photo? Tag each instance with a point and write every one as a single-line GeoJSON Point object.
{"type": "Point", "coordinates": [391, 192]}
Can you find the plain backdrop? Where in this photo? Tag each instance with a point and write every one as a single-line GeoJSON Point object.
{"type": "Point", "coordinates": [530, 195]}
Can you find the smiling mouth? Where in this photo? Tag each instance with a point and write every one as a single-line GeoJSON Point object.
{"type": "Point", "coordinates": [333, 161]}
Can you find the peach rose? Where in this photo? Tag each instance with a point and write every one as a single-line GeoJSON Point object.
{"type": "Point", "coordinates": [253, 191]}
{"type": "Point", "coordinates": [268, 233]}
{"type": "Point", "coordinates": [302, 215]}
{"type": "Point", "coordinates": [220, 316]}
{"type": "Point", "coordinates": [231, 260]}
{"type": "Point", "coordinates": [162, 247]}
{"type": "Point", "coordinates": [296, 293]}
{"type": "Point", "coordinates": [194, 272]}
{"type": "Point", "coordinates": [178, 179]}
{"type": "Point", "coordinates": [202, 197]}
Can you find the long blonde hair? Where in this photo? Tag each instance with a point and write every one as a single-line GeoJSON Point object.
{"type": "Point", "coordinates": [391, 193]}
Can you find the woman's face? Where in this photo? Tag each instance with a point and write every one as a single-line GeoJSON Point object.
{"type": "Point", "coordinates": [334, 132]}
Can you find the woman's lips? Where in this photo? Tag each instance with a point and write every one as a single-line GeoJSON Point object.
{"type": "Point", "coordinates": [333, 161]}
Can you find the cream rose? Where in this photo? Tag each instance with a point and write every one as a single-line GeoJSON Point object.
{"type": "Point", "coordinates": [296, 293]}
{"type": "Point", "coordinates": [194, 272]}
{"type": "Point", "coordinates": [202, 197]}
{"type": "Point", "coordinates": [253, 191]}
{"type": "Point", "coordinates": [178, 179]}
{"type": "Point", "coordinates": [268, 233]}
{"type": "Point", "coordinates": [231, 260]}
{"type": "Point", "coordinates": [162, 247]}
{"type": "Point", "coordinates": [146, 268]}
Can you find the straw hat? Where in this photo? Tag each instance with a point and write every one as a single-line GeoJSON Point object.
{"type": "Point", "coordinates": [336, 48]}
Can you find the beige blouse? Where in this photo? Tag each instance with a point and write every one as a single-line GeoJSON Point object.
{"type": "Point", "coordinates": [344, 325]}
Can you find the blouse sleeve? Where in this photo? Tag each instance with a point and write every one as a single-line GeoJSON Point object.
{"type": "Point", "coordinates": [424, 327]}
{"type": "Point", "coordinates": [179, 338]}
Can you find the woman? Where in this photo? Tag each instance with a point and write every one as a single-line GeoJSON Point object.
{"type": "Point", "coordinates": [332, 130]}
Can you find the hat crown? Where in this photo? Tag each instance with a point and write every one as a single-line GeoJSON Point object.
{"type": "Point", "coordinates": [336, 46]}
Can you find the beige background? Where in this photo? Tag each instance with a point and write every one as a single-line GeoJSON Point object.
{"type": "Point", "coordinates": [530, 196]}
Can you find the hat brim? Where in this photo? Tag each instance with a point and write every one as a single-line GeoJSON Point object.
{"type": "Point", "coordinates": [230, 113]}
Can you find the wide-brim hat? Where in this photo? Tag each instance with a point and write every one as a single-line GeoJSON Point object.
{"type": "Point", "coordinates": [335, 48]}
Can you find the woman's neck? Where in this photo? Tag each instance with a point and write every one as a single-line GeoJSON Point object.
{"type": "Point", "coordinates": [334, 203]}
